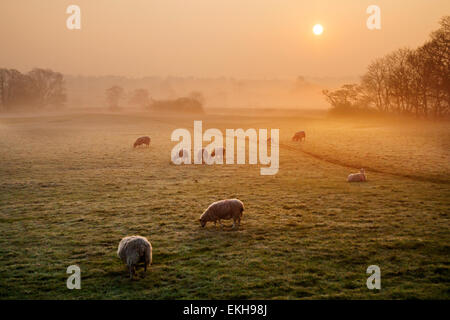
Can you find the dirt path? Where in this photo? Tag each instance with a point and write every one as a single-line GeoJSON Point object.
{"type": "Point", "coordinates": [368, 168]}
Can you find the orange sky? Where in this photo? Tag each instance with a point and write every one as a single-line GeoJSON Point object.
{"type": "Point", "coordinates": [210, 38]}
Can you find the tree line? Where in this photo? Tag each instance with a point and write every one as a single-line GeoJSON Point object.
{"type": "Point", "coordinates": [141, 98]}
{"type": "Point", "coordinates": [35, 90]}
{"type": "Point", "coordinates": [409, 82]}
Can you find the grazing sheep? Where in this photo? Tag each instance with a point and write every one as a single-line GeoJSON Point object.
{"type": "Point", "coordinates": [135, 249]}
{"type": "Point", "coordinates": [141, 141]}
{"type": "Point", "coordinates": [218, 153]}
{"type": "Point", "coordinates": [357, 177]}
{"type": "Point", "coordinates": [223, 209]}
{"type": "Point", "coordinates": [299, 136]}
{"type": "Point", "coordinates": [202, 155]}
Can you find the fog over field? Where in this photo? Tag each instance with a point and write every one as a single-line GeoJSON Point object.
{"type": "Point", "coordinates": [295, 93]}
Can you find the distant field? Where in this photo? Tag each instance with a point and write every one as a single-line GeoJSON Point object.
{"type": "Point", "coordinates": [71, 187]}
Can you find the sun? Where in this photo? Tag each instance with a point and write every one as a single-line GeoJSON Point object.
{"type": "Point", "coordinates": [318, 29]}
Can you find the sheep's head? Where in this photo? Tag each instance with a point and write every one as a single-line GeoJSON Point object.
{"type": "Point", "coordinates": [362, 171]}
{"type": "Point", "coordinates": [202, 222]}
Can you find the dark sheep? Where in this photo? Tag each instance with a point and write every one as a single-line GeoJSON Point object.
{"type": "Point", "coordinates": [142, 141]}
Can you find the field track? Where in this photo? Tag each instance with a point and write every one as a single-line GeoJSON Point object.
{"type": "Point", "coordinates": [368, 168]}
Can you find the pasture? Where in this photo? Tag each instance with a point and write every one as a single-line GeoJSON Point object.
{"type": "Point", "coordinates": [71, 186]}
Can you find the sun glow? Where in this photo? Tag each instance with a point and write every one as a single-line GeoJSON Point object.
{"type": "Point", "coordinates": [318, 29]}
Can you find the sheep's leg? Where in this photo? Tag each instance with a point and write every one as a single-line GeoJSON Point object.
{"type": "Point", "coordinates": [221, 225]}
{"type": "Point", "coordinates": [130, 268]}
{"type": "Point", "coordinates": [145, 269]}
{"type": "Point", "coordinates": [238, 220]}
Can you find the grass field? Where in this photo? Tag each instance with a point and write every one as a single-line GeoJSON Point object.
{"type": "Point", "coordinates": [71, 187]}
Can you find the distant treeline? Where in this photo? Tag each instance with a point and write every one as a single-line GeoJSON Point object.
{"type": "Point", "coordinates": [141, 98]}
{"type": "Point", "coordinates": [184, 104]}
{"type": "Point", "coordinates": [411, 82]}
{"type": "Point", "coordinates": [35, 90]}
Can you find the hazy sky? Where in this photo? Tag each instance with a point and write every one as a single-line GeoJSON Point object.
{"type": "Point", "coordinates": [210, 38]}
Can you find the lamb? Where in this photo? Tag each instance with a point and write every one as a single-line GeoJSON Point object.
{"type": "Point", "coordinates": [357, 177]}
{"type": "Point", "coordinates": [223, 209]}
{"type": "Point", "coordinates": [141, 141]}
{"type": "Point", "coordinates": [135, 249]}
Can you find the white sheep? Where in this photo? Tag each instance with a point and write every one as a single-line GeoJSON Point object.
{"type": "Point", "coordinates": [357, 177]}
{"type": "Point", "coordinates": [135, 249]}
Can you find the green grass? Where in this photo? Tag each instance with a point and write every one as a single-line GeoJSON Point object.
{"type": "Point", "coordinates": [71, 187]}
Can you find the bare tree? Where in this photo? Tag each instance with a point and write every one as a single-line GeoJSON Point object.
{"type": "Point", "coordinates": [437, 55]}
{"type": "Point", "coordinates": [375, 83]}
{"type": "Point", "coordinates": [35, 90]}
{"type": "Point", "coordinates": [350, 98]}
{"type": "Point", "coordinates": [413, 82]}
{"type": "Point", "coordinates": [48, 87]}
{"type": "Point", "coordinates": [16, 91]}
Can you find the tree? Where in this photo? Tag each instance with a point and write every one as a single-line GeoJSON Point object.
{"type": "Point", "coordinates": [436, 53]}
{"type": "Point", "coordinates": [14, 89]}
{"type": "Point", "coordinates": [348, 99]}
{"type": "Point", "coordinates": [48, 87]}
{"type": "Point", "coordinates": [413, 82]}
{"type": "Point", "coordinates": [36, 90]}
{"type": "Point", "coordinates": [375, 82]}
{"type": "Point", "coordinates": [113, 96]}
